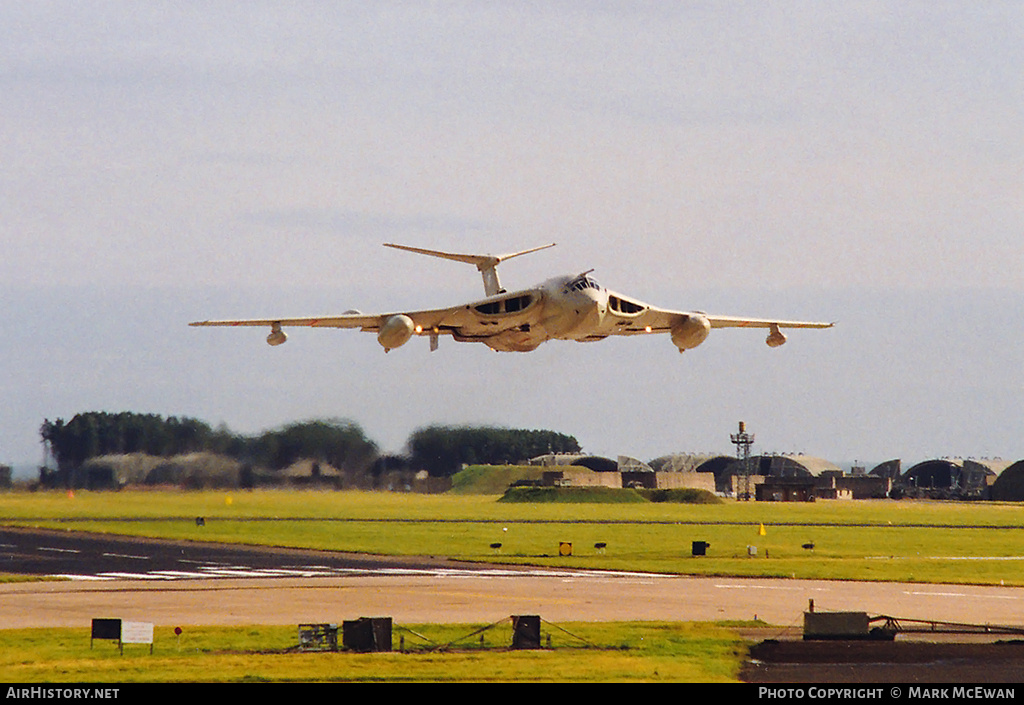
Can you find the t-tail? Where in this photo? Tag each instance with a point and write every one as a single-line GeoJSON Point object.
{"type": "Point", "coordinates": [486, 264]}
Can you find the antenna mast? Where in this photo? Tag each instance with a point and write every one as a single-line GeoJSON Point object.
{"type": "Point", "coordinates": [743, 440]}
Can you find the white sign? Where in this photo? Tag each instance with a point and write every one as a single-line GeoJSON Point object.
{"type": "Point", "coordinates": [136, 633]}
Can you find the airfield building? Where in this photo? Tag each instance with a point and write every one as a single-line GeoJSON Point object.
{"type": "Point", "coordinates": [890, 469]}
{"type": "Point", "coordinates": [952, 478]}
{"type": "Point", "coordinates": [776, 477]}
{"type": "Point", "coordinates": [1008, 486]}
{"type": "Point", "coordinates": [593, 471]}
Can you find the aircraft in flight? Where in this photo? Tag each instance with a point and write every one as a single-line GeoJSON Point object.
{"type": "Point", "coordinates": [570, 307]}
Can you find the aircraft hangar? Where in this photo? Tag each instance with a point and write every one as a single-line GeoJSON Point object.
{"type": "Point", "coordinates": [960, 478]}
{"type": "Point", "coordinates": [940, 478]}
{"type": "Point", "coordinates": [1008, 486]}
{"type": "Point", "coordinates": [786, 472]}
{"type": "Point", "coordinates": [797, 477]}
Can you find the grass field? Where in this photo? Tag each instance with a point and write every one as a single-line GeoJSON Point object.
{"type": "Point", "coordinates": [981, 543]}
{"type": "Point", "coordinates": [876, 540]}
{"type": "Point", "coordinates": [584, 652]}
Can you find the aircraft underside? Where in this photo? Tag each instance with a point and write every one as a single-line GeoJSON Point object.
{"type": "Point", "coordinates": [514, 340]}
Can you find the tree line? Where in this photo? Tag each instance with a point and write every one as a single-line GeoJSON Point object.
{"type": "Point", "coordinates": [440, 450]}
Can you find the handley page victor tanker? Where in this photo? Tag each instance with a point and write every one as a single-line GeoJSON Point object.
{"type": "Point", "coordinates": [570, 307]}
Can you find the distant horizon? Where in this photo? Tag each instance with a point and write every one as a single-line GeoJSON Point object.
{"type": "Point", "coordinates": [28, 470]}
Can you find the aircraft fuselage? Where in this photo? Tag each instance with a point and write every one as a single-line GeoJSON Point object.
{"type": "Point", "coordinates": [564, 308]}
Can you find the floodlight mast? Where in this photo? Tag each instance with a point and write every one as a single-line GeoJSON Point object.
{"type": "Point", "coordinates": [743, 441]}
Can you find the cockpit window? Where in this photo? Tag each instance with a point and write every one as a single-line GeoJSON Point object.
{"type": "Point", "coordinates": [580, 283]}
{"type": "Point", "coordinates": [513, 304]}
{"type": "Point", "coordinates": [621, 305]}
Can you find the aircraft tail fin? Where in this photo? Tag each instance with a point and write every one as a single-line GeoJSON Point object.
{"type": "Point", "coordinates": [486, 264]}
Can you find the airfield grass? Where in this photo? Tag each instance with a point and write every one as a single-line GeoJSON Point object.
{"type": "Point", "coordinates": [981, 543]}
{"type": "Point", "coordinates": [578, 652]}
{"type": "Point", "coordinates": [977, 543]}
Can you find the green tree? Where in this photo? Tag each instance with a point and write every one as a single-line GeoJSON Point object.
{"type": "Point", "coordinates": [339, 443]}
{"type": "Point", "coordinates": [93, 433]}
{"type": "Point", "coordinates": [442, 450]}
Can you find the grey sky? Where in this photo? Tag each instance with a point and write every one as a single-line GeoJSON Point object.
{"type": "Point", "coordinates": [864, 162]}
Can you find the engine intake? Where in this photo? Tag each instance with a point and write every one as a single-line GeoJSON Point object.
{"type": "Point", "coordinates": [691, 331]}
{"type": "Point", "coordinates": [395, 332]}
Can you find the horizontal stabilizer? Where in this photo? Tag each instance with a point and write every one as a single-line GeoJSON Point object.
{"type": "Point", "coordinates": [486, 264]}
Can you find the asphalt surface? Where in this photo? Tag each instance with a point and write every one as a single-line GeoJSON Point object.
{"type": "Point", "coordinates": [86, 556]}
{"type": "Point", "coordinates": [202, 583]}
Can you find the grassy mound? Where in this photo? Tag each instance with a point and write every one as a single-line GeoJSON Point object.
{"type": "Point", "coordinates": [493, 479]}
{"type": "Point", "coordinates": [520, 483]}
{"type": "Point", "coordinates": [682, 495]}
{"type": "Point", "coordinates": [572, 495]}
{"type": "Point", "coordinates": [607, 495]}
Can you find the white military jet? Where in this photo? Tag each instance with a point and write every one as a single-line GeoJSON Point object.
{"type": "Point", "coordinates": [564, 308]}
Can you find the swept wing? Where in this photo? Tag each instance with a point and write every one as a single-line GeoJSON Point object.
{"type": "Point", "coordinates": [479, 320]}
{"type": "Point", "coordinates": [627, 316]}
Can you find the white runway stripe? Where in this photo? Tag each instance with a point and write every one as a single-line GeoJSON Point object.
{"type": "Point", "coordinates": [240, 571]}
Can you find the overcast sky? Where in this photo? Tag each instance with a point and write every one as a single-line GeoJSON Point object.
{"type": "Point", "coordinates": [860, 162]}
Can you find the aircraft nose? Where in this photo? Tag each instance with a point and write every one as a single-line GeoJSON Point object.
{"type": "Point", "coordinates": [598, 305]}
{"type": "Point", "coordinates": [576, 314]}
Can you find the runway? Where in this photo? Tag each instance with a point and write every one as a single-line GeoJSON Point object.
{"type": "Point", "coordinates": [231, 585]}
{"type": "Point", "coordinates": [464, 598]}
